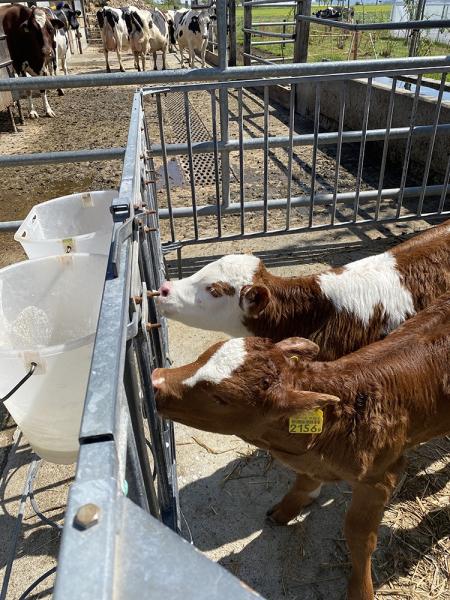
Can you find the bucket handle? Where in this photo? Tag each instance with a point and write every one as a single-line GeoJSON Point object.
{"type": "Point", "coordinates": [33, 366]}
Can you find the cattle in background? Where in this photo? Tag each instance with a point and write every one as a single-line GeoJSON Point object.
{"type": "Point", "coordinates": [114, 33]}
{"type": "Point", "coordinates": [340, 309]}
{"type": "Point", "coordinates": [159, 35]}
{"type": "Point", "coordinates": [30, 35]}
{"type": "Point", "coordinates": [137, 22]}
{"type": "Point", "coordinates": [349, 420]}
{"type": "Point", "coordinates": [191, 33]}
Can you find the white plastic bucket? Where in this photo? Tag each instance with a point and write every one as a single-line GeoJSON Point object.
{"type": "Point", "coordinates": [75, 223]}
{"type": "Point", "coordinates": [48, 315]}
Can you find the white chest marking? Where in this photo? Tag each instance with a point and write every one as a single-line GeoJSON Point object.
{"type": "Point", "coordinates": [367, 283]}
{"type": "Point", "coordinates": [229, 357]}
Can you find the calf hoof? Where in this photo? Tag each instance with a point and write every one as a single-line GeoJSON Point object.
{"type": "Point", "coordinates": [33, 114]}
{"type": "Point", "coordinates": [276, 516]}
{"type": "Point", "coordinates": [60, 92]}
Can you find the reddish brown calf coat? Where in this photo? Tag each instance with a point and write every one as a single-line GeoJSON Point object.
{"type": "Point", "coordinates": [377, 402]}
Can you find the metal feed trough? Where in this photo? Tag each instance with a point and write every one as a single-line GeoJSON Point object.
{"type": "Point", "coordinates": [123, 541]}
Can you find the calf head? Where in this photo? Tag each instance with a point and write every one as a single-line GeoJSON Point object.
{"type": "Point", "coordinates": [210, 298]}
{"type": "Point", "coordinates": [239, 387]}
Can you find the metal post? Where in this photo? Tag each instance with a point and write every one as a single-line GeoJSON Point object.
{"type": "Point", "coordinates": [232, 59]}
{"type": "Point", "coordinates": [223, 99]}
{"type": "Point", "coordinates": [247, 34]}
{"type": "Point", "coordinates": [302, 32]}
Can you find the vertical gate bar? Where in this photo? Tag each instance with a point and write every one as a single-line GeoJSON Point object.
{"type": "Point", "coordinates": [266, 157]}
{"type": "Point", "coordinates": [432, 141]}
{"type": "Point", "coordinates": [409, 141]}
{"type": "Point", "coordinates": [221, 12]}
{"type": "Point", "coordinates": [216, 161]}
{"type": "Point", "coordinates": [385, 145]}
{"type": "Point", "coordinates": [241, 159]}
{"type": "Point", "coordinates": [342, 100]}
{"type": "Point", "coordinates": [187, 116]}
{"type": "Point", "coordinates": [362, 147]}
{"type": "Point", "coordinates": [314, 154]}
{"type": "Point", "coordinates": [445, 186]}
{"type": "Point", "coordinates": [290, 153]}
{"type": "Point", "coordinates": [165, 169]}
{"type": "Point", "coordinates": [135, 409]}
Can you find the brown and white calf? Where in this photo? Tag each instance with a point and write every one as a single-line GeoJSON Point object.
{"type": "Point", "coordinates": [341, 309]}
{"type": "Point", "coordinates": [376, 403]}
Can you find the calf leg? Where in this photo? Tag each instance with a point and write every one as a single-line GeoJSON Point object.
{"type": "Point", "coordinates": [302, 493]}
{"type": "Point", "coordinates": [361, 530]}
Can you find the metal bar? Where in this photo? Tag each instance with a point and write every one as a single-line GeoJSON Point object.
{"type": "Point", "coordinates": [187, 117]}
{"type": "Point", "coordinates": [216, 160]}
{"type": "Point", "coordinates": [408, 146]}
{"type": "Point", "coordinates": [323, 227]}
{"type": "Point", "coordinates": [241, 160]}
{"type": "Point", "coordinates": [342, 101]}
{"type": "Point", "coordinates": [266, 157]}
{"type": "Point", "coordinates": [445, 186]}
{"type": "Point", "coordinates": [432, 140]}
{"type": "Point", "coordinates": [314, 153]}
{"type": "Point", "coordinates": [362, 148]}
{"type": "Point", "coordinates": [211, 74]}
{"type": "Point", "coordinates": [431, 24]}
{"type": "Point", "coordinates": [323, 139]}
{"type": "Point", "coordinates": [291, 125]}
{"type": "Point", "coordinates": [385, 146]}
{"type": "Point", "coordinates": [287, 36]}
{"type": "Point", "coordinates": [322, 198]}
{"type": "Point", "coordinates": [273, 23]}
{"type": "Point", "coordinates": [165, 166]}
{"type": "Point", "coordinates": [70, 156]}
{"type": "Point", "coordinates": [269, 43]}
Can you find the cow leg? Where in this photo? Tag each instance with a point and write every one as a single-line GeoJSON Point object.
{"type": "Point", "coordinates": [302, 493]}
{"type": "Point", "coordinates": [32, 113]}
{"type": "Point", "coordinates": [47, 108]}
{"type": "Point", "coordinates": [361, 531]}
{"type": "Point", "coordinates": [108, 68]}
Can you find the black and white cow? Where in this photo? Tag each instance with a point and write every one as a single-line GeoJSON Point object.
{"type": "Point", "coordinates": [30, 36]}
{"type": "Point", "coordinates": [114, 33]}
{"type": "Point", "coordinates": [191, 32]}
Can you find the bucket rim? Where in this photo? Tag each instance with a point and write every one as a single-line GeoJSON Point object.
{"type": "Point", "coordinates": [18, 237]}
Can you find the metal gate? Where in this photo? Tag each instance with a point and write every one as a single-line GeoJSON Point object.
{"type": "Point", "coordinates": [115, 541]}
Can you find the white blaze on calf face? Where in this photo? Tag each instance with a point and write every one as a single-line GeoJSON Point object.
{"type": "Point", "coordinates": [365, 284]}
{"type": "Point", "coordinates": [222, 364]}
{"type": "Point", "coordinates": [192, 302]}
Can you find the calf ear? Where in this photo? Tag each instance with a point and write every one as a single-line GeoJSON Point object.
{"type": "Point", "coordinates": [297, 401]}
{"type": "Point", "coordinates": [299, 347]}
{"type": "Point", "coordinates": [254, 299]}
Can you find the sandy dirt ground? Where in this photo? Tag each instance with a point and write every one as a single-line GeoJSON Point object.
{"type": "Point", "coordinates": [226, 486]}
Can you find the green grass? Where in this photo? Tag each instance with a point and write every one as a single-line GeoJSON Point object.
{"type": "Point", "coordinates": [336, 44]}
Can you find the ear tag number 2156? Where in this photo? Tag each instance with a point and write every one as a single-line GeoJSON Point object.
{"type": "Point", "coordinates": [310, 421]}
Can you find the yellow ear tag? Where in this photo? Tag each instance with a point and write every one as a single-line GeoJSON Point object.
{"type": "Point", "coordinates": [310, 421]}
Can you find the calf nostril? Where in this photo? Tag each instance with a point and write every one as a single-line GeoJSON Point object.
{"type": "Point", "coordinates": [164, 290]}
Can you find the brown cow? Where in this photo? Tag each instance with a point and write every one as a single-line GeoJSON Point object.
{"type": "Point", "coordinates": [375, 404]}
{"type": "Point", "coordinates": [30, 35]}
{"type": "Point", "coordinates": [341, 309]}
